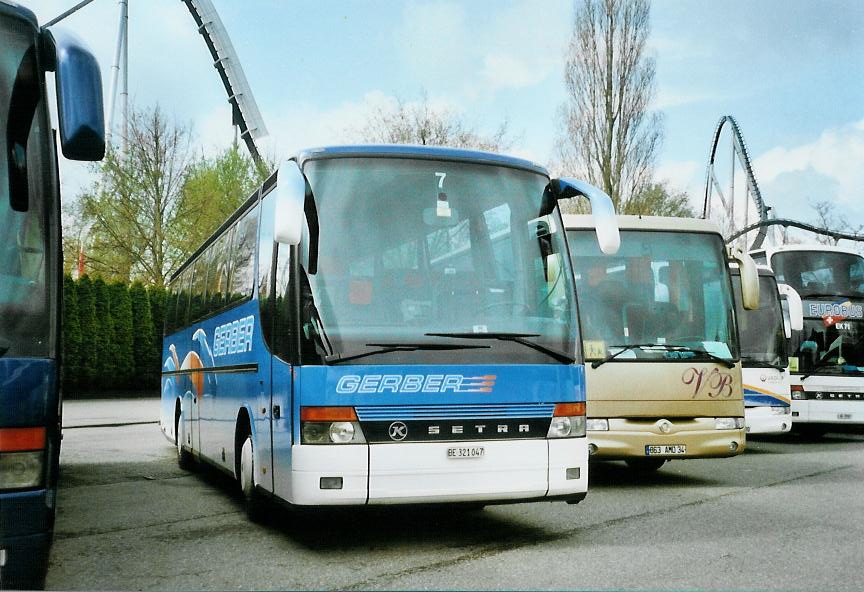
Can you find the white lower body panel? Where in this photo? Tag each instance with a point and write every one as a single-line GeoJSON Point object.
{"type": "Point", "coordinates": [411, 473]}
{"type": "Point", "coordinates": [836, 412]}
{"type": "Point", "coordinates": [762, 420]}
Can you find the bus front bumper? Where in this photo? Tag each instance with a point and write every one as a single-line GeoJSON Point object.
{"type": "Point", "coordinates": [763, 420]}
{"type": "Point", "coordinates": [630, 438]}
{"type": "Point", "coordinates": [827, 411]}
{"type": "Point", "coordinates": [25, 538]}
{"type": "Point", "coordinates": [421, 472]}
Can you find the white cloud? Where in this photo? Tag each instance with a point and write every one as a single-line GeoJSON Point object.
{"type": "Point", "coordinates": [836, 154]}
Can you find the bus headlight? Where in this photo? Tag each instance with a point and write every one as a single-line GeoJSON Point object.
{"type": "Point", "coordinates": [341, 432]}
{"type": "Point", "coordinates": [597, 425]}
{"type": "Point", "coordinates": [784, 410]}
{"type": "Point", "coordinates": [568, 421]}
{"type": "Point", "coordinates": [21, 470]}
{"type": "Point", "coordinates": [330, 425]}
{"type": "Point", "coordinates": [798, 392]}
{"type": "Point", "coordinates": [728, 423]}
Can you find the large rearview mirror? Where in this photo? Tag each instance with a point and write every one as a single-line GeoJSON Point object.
{"type": "Point", "coordinates": [602, 211]}
{"type": "Point", "coordinates": [290, 197]}
{"type": "Point", "coordinates": [796, 308]}
{"type": "Point", "coordinates": [749, 278]}
{"type": "Point", "coordinates": [79, 97]}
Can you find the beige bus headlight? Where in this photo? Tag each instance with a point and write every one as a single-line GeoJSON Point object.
{"type": "Point", "coordinates": [728, 423]}
{"type": "Point", "coordinates": [597, 425]}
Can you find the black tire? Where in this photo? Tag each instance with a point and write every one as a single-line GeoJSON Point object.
{"type": "Point", "coordinates": [184, 458]}
{"type": "Point", "coordinates": [254, 502]}
{"type": "Point", "coordinates": [645, 465]}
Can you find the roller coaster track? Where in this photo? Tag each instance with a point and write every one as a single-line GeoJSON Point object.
{"type": "Point", "coordinates": [711, 183]}
{"type": "Point", "coordinates": [245, 113]}
{"type": "Point", "coordinates": [795, 224]}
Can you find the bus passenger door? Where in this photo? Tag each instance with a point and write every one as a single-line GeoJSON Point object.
{"type": "Point", "coordinates": [282, 376]}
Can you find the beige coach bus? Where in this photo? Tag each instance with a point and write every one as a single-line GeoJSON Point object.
{"type": "Point", "coordinates": [662, 357]}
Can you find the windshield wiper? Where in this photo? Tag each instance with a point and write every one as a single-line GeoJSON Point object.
{"type": "Point", "coordinates": [386, 348]}
{"type": "Point", "coordinates": [561, 356]}
{"type": "Point", "coordinates": [820, 364]}
{"type": "Point", "coordinates": [624, 348]}
{"type": "Point", "coordinates": [754, 363]}
{"type": "Point", "coordinates": [704, 352]}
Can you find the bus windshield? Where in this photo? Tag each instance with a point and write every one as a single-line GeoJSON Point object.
{"type": "Point", "coordinates": [831, 348]}
{"type": "Point", "coordinates": [662, 289]}
{"type": "Point", "coordinates": [24, 310]}
{"type": "Point", "coordinates": [413, 247]}
{"type": "Point", "coordinates": [763, 340]}
{"type": "Point", "coordinates": [820, 273]}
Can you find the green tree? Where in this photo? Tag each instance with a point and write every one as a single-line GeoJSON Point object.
{"type": "Point", "coordinates": [71, 369]}
{"type": "Point", "coordinates": [123, 344]}
{"type": "Point", "coordinates": [657, 199]}
{"type": "Point", "coordinates": [157, 298]}
{"type": "Point", "coordinates": [152, 207]}
{"type": "Point", "coordinates": [103, 339]}
{"type": "Point", "coordinates": [143, 333]}
{"type": "Point", "coordinates": [213, 189]}
{"type": "Point", "coordinates": [89, 333]}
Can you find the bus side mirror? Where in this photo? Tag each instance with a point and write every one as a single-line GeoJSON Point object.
{"type": "Point", "coordinates": [79, 97]}
{"type": "Point", "coordinates": [602, 211]}
{"type": "Point", "coordinates": [290, 198]}
{"type": "Point", "coordinates": [796, 308]}
{"type": "Point", "coordinates": [749, 278]}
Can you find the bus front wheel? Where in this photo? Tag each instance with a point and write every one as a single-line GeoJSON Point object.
{"type": "Point", "coordinates": [251, 496]}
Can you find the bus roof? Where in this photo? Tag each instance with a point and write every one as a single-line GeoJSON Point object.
{"type": "Point", "coordinates": [419, 152]}
{"type": "Point", "coordinates": [662, 223]}
{"type": "Point", "coordinates": [14, 9]}
{"type": "Point", "coordinates": [806, 247]}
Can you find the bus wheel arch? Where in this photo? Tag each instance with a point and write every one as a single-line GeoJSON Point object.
{"type": "Point", "coordinates": [184, 457]}
{"type": "Point", "coordinates": [245, 467]}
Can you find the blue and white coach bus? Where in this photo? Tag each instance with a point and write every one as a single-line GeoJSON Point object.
{"type": "Point", "coordinates": [385, 324]}
{"type": "Point", "coordinates": [827, 356]}
{"type": "Point", "coordinates": [31, 277]}
{"type": "Point", "coordinates": [763, 334]}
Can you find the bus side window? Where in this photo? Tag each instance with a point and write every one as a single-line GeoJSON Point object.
{"type": "Point", "coordinates": [217, 276]}
{"type": "Point", "coordinates": [243, 257]}
{"type": "Point", "coordinates": [198, 289]}
{"type": "Point", "coordinates": [182, 316]}
{"type": "Point", "coordinates": [171, 307]}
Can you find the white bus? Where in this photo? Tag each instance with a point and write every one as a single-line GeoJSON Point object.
{"type": "Point", "coordinates": [827, 357]}
{"type": "Point", "coordinates": [764, 334]}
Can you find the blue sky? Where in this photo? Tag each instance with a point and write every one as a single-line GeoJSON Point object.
{"type": "Point", "coordinates": [790, 71]}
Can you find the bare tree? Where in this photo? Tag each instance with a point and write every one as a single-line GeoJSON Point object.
{"type": "Point", "coordinates": [611, 139]}
{"type": "Point", "coordinates": [422, 123]}
{"type": "Point", "coordinates": [826, 217]}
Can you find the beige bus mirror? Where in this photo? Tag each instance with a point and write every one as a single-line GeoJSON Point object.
{"type": "Point", "coordinates": [290, 197]}
{"type": "Point", "coordinates": [796, 308]}
{"type": "Point", "coordinates": [749, 278]}
{"type": "Point", "coordinates": [602, 211]}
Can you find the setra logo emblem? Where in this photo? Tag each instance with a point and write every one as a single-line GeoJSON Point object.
{"type": "Point", "coordinates": [397, 431]}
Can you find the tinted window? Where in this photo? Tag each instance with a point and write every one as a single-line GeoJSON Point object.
{"type": "Point", "coordinates": [182, 316]}
{"type": "Point", "coordinates": [243, 256]}
{"type": "Point", "coordinates": [217, 275]}
{"type": "Point", "coordinates": [198, 308]}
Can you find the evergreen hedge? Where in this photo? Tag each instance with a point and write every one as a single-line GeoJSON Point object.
{"type": "Point", "coordinates": [112, 336]}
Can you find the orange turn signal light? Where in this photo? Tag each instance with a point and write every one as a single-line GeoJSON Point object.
{"type": "Point", "coordinates": [22, 439]}
{"type": "Point", "coordinates": [569, 409]}
{"type": "Point", "coordinates": [327, 414]}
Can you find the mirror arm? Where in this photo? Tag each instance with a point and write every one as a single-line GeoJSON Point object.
{"type": "Point", "coordinates": [22, 108]}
